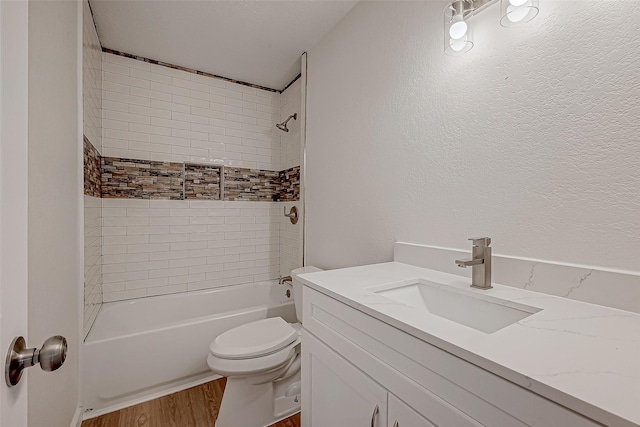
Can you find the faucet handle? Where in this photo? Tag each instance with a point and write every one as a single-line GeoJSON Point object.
{"type": "Point", "coordinates": [481, 241]}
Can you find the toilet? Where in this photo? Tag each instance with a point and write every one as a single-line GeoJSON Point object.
{"type": "Point", "coordinates": [261, 361]}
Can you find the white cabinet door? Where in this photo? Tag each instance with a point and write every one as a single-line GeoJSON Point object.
{"type": "Point", "coordinates": [401, 415]}
{"type": "Point", "coordinates": [336, 393]}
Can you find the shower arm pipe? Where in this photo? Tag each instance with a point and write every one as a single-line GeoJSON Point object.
{"type": "Point", "coordinates": [283, 126]}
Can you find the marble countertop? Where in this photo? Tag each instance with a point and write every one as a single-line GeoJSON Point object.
{"type": "Point", "coordinates": [583, 356]}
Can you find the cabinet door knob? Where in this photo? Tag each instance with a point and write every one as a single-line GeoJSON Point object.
{"type": "Point", "coordinates": [396, 424]}
{"type": "Point", "coordinates": [376, 410]}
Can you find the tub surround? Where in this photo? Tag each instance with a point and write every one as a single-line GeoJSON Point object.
{"type": "Point", "coordinates": [92, 169]}
{"type": "Point", "coordinates": [154, 247]}
{"type": "Point", "coordinates": [92, 146]}
{"type": "Point", "coordinates": [91, 79]}
{"type": "Point", "coordinates": [166, 132]}
{"type": "Point", "coordinates": [579, 355]}
{"type": "Point", "coordinates": [92, 260]}
{"type": "Point", "coordinates": [201, 182]}
{"type": "Point", "coordinates": [142, 179]}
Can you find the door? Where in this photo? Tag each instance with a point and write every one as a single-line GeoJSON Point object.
{"type": "Point", "coordinates": [41, 204]}
{"type": "Point", "coordinates": [13, 195]}
{"type": "Point", "coordinates": [336, 392]}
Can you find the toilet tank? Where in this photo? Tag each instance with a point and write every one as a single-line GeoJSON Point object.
{"type": "Point", "coordinates": [297, 287]}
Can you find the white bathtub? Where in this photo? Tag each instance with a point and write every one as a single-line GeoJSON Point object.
{"type": "Point", "coordinates": [144, 348]}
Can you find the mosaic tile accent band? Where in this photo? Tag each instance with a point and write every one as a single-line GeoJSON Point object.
{"type": "Point", "coordinates": [290, 184]}
{"type": "Point", "coordinates": [142, 179]}
{"type": "Point", "coordinates": [92, 169]}
{"type": "Point", "coordinates": [251, 184]}
{"type": "Point", "coordinates": [191, 70]}
{"type": "Point", "coordinates": [145, 179]}
{"type": "Point", "coordinates": [201, 182]}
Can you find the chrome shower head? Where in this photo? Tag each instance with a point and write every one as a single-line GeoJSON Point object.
{"type": "Point", "coordinates": [283, 126]}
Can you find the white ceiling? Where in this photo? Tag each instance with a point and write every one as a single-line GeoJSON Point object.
{"type": "Point", "coordinates": [257, 42]}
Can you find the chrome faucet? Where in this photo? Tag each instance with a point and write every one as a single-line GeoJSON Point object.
{"type": "Point", "coordinates": [281, 280]}
{"type": "Point", "coordinates": [480, 263]}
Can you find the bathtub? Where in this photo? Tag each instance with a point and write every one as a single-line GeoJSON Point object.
{"type": "Point", "coordinates": [141, 349]}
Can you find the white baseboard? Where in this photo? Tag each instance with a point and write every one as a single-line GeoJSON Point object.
{"type": "Point", "coordinates": [146, 398]}
{"type": "Point", "coordinates": [77, 418]}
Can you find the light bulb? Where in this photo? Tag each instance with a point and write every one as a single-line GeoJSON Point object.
{"type": "Point", "coordinates": [517, 14]}
{"type": "Point", "coordinates": [458, 45]}
{"type": "Point", "coordinates": [517, 3]}
{"type": "Point", "coordinates": [457, 30]}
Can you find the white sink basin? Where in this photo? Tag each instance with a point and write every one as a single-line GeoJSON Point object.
{"type": "Point", "coordinates": [481, 312]}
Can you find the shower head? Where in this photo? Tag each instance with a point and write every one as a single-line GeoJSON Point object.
{"type": "Point", "coordinates": [283, 126]}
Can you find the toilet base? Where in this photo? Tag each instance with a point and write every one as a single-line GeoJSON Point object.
{"type": "Point", "coordinates": [247, 404]}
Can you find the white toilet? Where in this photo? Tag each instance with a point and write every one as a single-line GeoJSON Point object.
{"type": "Point", "coordinates": [262, 362]}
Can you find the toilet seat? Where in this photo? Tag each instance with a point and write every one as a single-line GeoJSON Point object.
{"type": "Point", "coordinates": [253, 365]}
{"type": "Point", "coordinates": [254, 339]}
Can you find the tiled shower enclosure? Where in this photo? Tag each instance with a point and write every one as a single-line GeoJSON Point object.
{"type": "Point", "coordinates": [186, 179]}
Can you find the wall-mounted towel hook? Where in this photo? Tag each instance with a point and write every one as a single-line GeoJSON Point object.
{"type": "Point", "coordinates": [292, 215]}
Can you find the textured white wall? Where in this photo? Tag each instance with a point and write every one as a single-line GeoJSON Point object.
{"type": "Point", "coordinates": [532, 138]}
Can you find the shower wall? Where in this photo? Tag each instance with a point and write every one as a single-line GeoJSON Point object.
{"type": "Point", "coordinates": [291, 152]}
{"type": "Point", "coordinates": [92, 129]}
{"type": "Point", "coordinates": [166, 132]}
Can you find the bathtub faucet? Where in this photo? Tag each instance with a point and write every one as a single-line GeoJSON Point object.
{"type": "Point", "coordinates": [281, 280]}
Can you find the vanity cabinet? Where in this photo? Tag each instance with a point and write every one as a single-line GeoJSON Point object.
{"type": "Point", "coordinates": [354, 363]}
{"type": "Point", "coordinates": [339, 394]}
{"type": "Point", "coordinates": [401, 415]}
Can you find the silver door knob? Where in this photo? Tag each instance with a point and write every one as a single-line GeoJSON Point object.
{"type": "Point", "coordinates": [51, 356]}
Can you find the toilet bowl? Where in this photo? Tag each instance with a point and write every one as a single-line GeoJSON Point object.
{"type": "Point", "coordinates": [261, 361]}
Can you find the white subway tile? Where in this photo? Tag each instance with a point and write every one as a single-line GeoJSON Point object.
{"type": "Point", "coordinates": [124, 240]}
{"type": "Point", "coordinates": [187, 279]}
{"type": "Point", "coordinates": [154, 247]}
{"type": "Point", "coordinates": [162, 220]}
{"type": "Point", "coordinates": [124, 295]}
{"type": "Point", "coordinates": [207, 284]}
{"type": "Point", "coordinates": [146, 283]}
{"type": "Point", "coordinates": [124, 258]}
{"type": "Point", "coordinates": [145, 266]}
{"type": "Point", "coordinates": [188, 246]}
{"type": "Point", "coordinates": [169, 238]}
{"type": "Point", "coordinates": [165, 290]}
{"type": "Point", "coordinates": [196, 237]}
{"type": "Point", "coordinates": [114, 231]}
{"type": "Point", "coordinates": [169, 272]}
{"type": "Point", "coordinates": [168, 255]}
{"type": "Point", "coordinates": [114, 249]}
{"type": "Point", "coordinates": [147, 212]}
{"type": "Point", "coordinates": [122, 277]}
{"type": "Point", "coordinates": [125, 203]}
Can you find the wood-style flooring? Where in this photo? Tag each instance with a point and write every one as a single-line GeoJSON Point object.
{"type": "Point", "coordinates": [194, 407]}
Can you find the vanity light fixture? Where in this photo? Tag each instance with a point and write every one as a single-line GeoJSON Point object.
{"type": "Point", "coordinates": [516, 12]}
{"type": "Point", "coordinates": [458, 32]}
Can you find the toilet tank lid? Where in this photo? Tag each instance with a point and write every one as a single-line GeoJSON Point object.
{"type": "Point", "coordinates": [304, 270]}
{"type": "Point", "coordinates": [254, 339]}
